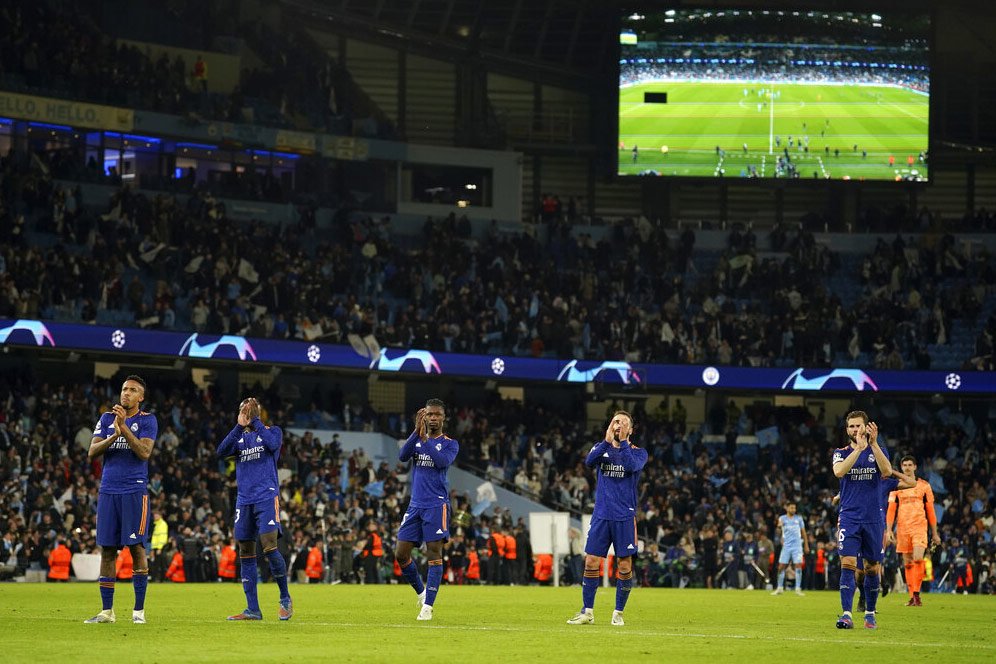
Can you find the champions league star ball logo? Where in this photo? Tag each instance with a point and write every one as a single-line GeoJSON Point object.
{"type": "Point", "coordinates": [314, 353]}
{"type": "Point", "coordinates": [118, 339]}
{"type": "Point", "coordinates": [497, 366]}
{"type": "Point", "coordinates": [953, 381]}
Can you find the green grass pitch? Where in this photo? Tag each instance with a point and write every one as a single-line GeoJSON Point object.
{"type": "Point", "coordinates": [699, 116]}
{"type": "Point", "coordinates": [43, 623]}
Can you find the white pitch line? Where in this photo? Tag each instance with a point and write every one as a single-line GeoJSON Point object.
{"type": "Point", "coordinates": [771, 126]}
{"type": "Point", "coordinates": [898, 107]}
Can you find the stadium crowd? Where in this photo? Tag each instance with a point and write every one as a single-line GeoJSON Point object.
{"type": "Point", "coordinates": [66, 54]}
{"type": "Point", "coordinates": [777, 71]}
{"type": "Point", "coordinates": [708, 506]}
{"type": "Point", "coordinates": [159, 261]}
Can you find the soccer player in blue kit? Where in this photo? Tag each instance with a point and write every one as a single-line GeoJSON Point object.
{"type": "Point", "coordinates": [618, 464]}
{"type": "Point", "coordinates": [427, 518]}
{"type": "Point", "coordinates": [256, 448]}
{"type": "Point", "coordinates": [861, 467]}
{"type": "Point", "coordinates": [124, 437]}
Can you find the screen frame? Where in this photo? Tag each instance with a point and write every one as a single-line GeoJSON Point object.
{"type": "Point", "coordinates": [910, 7]}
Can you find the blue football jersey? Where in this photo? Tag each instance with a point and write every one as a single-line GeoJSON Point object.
{"type": "Point", "coordinates": [861, 488]}
{"type": "Point", "coordinates": [124, 471]}
{"type": "Point", "coordinates": [618, 477]}
{"type": "Point", "coordinates": [433, 456]}
{"type": "Point", "coordinates": [256, 450]}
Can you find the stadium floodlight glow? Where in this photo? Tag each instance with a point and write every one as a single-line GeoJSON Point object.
{"type": "Point", "coordinates": [636, 17]}
{"type": "Point", "coordinates": [669, 12]}
{"type": "Point", "coordinates": [876, 17]}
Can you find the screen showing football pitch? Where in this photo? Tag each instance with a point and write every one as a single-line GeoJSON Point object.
{"type": "Point", "coordinates": [774, 94]}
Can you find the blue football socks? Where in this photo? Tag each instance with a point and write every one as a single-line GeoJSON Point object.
{"type": "Point", "coordinates": [589, 584]}
{"type": "Point", "coordinates": [847, 589]}
{"type": "Point", "coordinates": [107, 592]}
{"type": "Point", "coordinates": [249, 578]}
{"type": "Point", "coordinates": [433, 579]}
{"type": "Point", "coordinates": [410, 572]}
{"type": "Point", "coordinates": [624, 583]}
{"type": "Point", "coordinates": [278, 568]}
{"type": "Point", "coordinates": [871, 592]}
{"type": "Point", "coordinates": [140, 581]}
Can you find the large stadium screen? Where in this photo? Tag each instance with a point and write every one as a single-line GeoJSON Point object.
{"type": "Point", "coordinates": [774, 94]}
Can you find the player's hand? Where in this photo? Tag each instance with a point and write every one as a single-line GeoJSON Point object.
{"type": "Point", "coordinates": [420, 423]}
{"type": "Point", "coordinates": [244, 414]}
{"type": "Point", "coordinates": [890, 538]}
{"type": "Point", "coordinates": [610, 436]}
{"type": "Point", "coordinates": [872, 430]}
{"type": "Point", "coordinates": [625, 431]}
{"type": "Point", "coordinates": [119, 418]}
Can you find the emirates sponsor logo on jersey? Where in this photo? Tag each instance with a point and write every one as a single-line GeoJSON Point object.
{"type": "Point", "coordinates": [251, 453]}
{"type": "Point", "coordinates": [613, 470]}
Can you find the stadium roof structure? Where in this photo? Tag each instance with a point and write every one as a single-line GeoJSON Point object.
{"type": "Point", "coordinates": [570, 43]}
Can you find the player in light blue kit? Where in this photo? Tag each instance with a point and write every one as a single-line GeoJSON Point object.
{"type": "Point", "coordinates": [794, 545]}
{"type": "Point", "coordinates": [427, 518]}
{"type": "Point", "coordinates": [861, 466]}
{"type": "Point", "coordinates": [618, 465]}
{"type": "Point", "coordinates": [124, 437]}
{"type": "Point", "coordinates": [256, 448]}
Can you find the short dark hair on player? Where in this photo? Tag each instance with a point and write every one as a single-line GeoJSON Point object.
{"type": "Point", "coordinates": [855, 414]}
{"type": "Point", "coordinates": [137, 379]}
{"type": "Point", "coordinates": [908, 457]}
{"type": "Point", "coordinates": [436, 402]}
{"type": "Point", "coordinates": [626, 413]}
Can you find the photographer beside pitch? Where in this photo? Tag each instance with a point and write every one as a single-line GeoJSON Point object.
{"type": "Point", "coordinates": [256, 448]}
{"type": "Point", "coordinates": [613, 520]}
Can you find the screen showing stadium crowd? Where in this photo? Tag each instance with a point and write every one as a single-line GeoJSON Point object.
{"type": "Point", "coordinates": [707, 509]}
{"type": "Point", "coordinates": [814, 47]}
{"type": "Point", "coordinates": [680, 62]}
{"type": "Point", "coordinates": [150, 261]}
